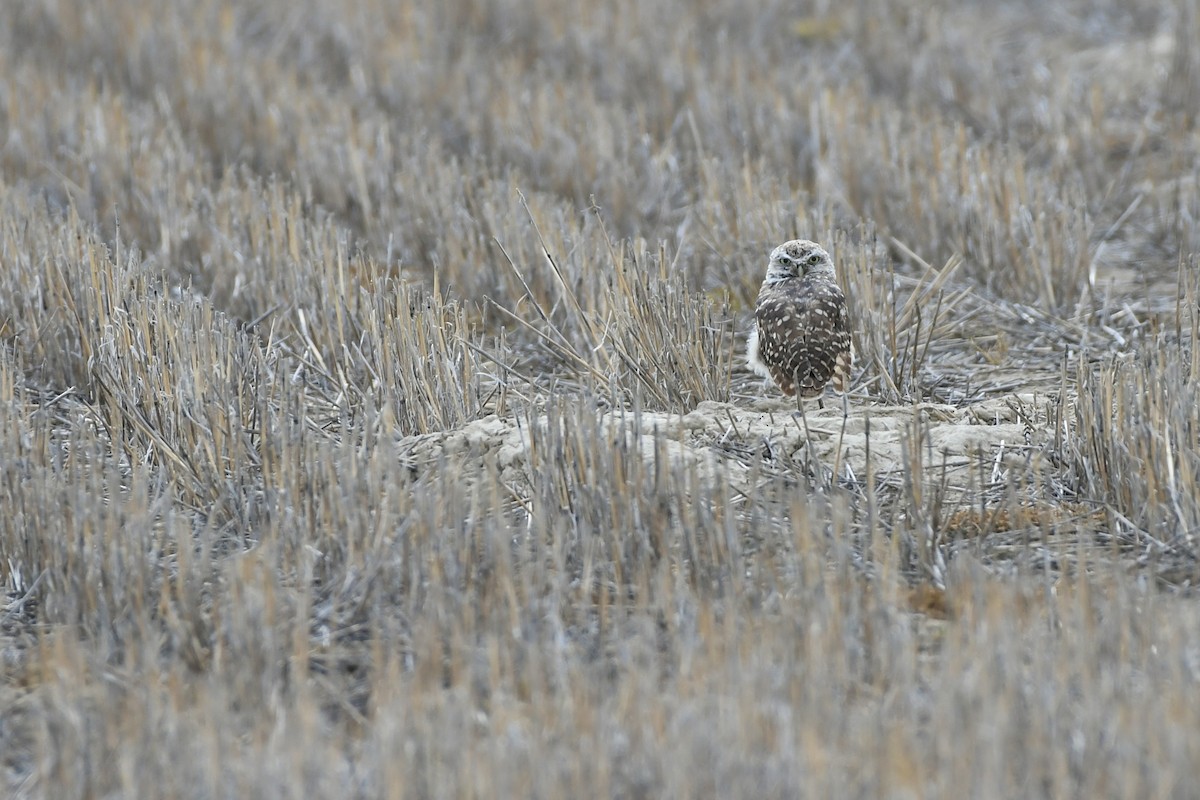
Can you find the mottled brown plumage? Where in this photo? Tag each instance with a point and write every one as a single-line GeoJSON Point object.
{"type": "Point", "coordinates": [801, 339]}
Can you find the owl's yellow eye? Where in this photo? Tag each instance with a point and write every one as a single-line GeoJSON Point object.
{"type": "Point", "coordinates": [815, 258]}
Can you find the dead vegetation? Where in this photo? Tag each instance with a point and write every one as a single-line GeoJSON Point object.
{"type": "Point", "coordinates": [373, 421]}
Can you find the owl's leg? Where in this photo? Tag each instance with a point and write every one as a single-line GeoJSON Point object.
{"type": "Point", "coordinates": [799, 412]}
{"type": "Point", "coordinates": [837, 464]}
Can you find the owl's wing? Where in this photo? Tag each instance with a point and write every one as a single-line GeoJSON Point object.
{"type": "Point", "coordinates": [842, 346]}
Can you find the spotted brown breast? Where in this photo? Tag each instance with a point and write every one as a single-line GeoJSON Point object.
{"type": "Point", "coordinates": [804, 336]}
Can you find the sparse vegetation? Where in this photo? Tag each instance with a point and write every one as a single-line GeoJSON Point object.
{"type": "Point", "coordinates": [373, 421]}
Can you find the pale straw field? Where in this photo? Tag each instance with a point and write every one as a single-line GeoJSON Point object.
{"type": "Point", "coordinates": [374, 422]}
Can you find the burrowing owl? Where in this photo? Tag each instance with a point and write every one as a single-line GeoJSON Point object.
{"type": "Point", "coordinates": [802, 336]}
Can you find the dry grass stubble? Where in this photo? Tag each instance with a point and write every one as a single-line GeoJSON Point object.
{"type": "Point", "coordinates": [372, 418]}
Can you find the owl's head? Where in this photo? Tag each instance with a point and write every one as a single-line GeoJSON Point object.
{"type": "Point", "coordinates": [797, 259]}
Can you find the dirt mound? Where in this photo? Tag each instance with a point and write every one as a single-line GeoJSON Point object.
{"type": "Point", "coordinates": [721, 439]}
